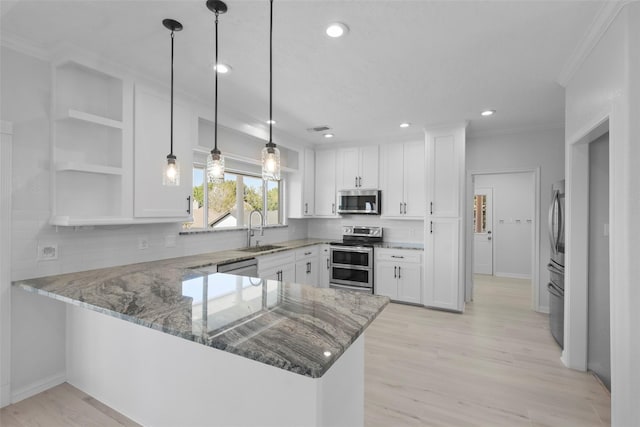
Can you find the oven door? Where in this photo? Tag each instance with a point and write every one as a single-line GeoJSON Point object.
{"type": "Point", "coordinates": [351, 276]}
{"type": "Point", "coordinates": [356, 256]}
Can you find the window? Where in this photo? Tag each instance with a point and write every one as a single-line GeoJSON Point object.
{"type": "Point", "coordinates": [229, 204]}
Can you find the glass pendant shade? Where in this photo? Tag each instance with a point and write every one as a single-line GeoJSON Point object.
{"type": "Point", "coordinates": [271, 162]}
{"type": "Point", "coordinates": [215, 167]}
{"type": "Point", "coordinates": [171, 175]}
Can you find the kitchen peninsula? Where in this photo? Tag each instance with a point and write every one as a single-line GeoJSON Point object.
{"type": "Point", "coordinates": [168, 343]}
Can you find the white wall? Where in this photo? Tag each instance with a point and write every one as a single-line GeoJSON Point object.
{"type": "Point", "coordinates": [607, 86]}
{"type": "Point", "coordinates": [408, 231]}
{"type": "Point", "coordinates": [512, 229]}
{"type": "Point", "coordinates": [524, 151]}
{"type": "Point", "coordinates": [26, 90]}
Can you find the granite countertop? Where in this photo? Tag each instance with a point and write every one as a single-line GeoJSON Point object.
{"type": "Point", "coordinates": [295, 327]}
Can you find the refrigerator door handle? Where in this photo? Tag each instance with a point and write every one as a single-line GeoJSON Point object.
{"type": "Point", "coordinates": [552, 210]}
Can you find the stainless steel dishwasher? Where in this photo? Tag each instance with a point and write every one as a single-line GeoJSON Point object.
{"type": "Point", "coordinates": [247, 267]}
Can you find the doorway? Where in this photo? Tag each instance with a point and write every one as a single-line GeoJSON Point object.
{"type": "Point", "coordinates": [504, 224]}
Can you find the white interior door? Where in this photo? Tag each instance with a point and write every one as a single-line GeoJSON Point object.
{"type": "Point", "coordinates": [482, 231]}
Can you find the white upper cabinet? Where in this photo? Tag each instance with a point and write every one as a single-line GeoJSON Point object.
{"type": "Point", "coordinates": [91, 170]}
{"type": "Point", "coordinates": [403, 180]}
{"type": "Point", "coordinates": [357, 167]}
{"type": "Point", "coordinates": [325, 183]}
{"type": "Point", "coordinates": [301, 186]}
{"type": "Point", "coordinates": [444, 225]}
{"type": "Point", "coordinates": [151, 145]}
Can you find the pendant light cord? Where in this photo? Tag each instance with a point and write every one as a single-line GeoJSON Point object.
{"type": "Point", "coordinates": [171, 93]}
{"type": "Point", "coordinates": [215, 132]}
{"type": "Point", "coordinates": [271, 72]}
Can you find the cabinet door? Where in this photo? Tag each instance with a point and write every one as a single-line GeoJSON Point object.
{"type": "Point", "coordinates": [444, 172]}
{"type": "Point", "coordinates": [325, 183]}
{"type": "Point", "coordinates": [393, 173]}
{"type": "Point", "coordinates": [309, 182]}
{"type": "Point", "coordinates": [313, 277]}
{"type": "Point", "coordinates": [304, 271]}
{"type": "Point", "coordinates": [414, 180]}
{"type": "Point", "coordinates": [386, 279]}
{"type": "Point", "coordinates": [410, 283]}
{"type": "Point", "coordinates": [442, 287]}
{"type": "Point", "coordinates": [368, 167]}
{"type": "Point", "coordinates": [151, 146]}
{"type": "Point", "coordinates": [348, 159]}
{"type": "Point", "coordinates": [288, 273]}
{"type": "Point", "coordinates": [324, 271]}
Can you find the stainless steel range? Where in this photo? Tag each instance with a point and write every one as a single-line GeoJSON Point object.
{"type": "Point", "coordinates": [351, 260]}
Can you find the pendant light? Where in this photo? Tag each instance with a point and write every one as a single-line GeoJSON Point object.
{"type": "Point", "coordinates": [215, 159]}
{"type": "Point", "coordinates": [270, 153]}
{"type": "Point", "coordinates": [171, 175]}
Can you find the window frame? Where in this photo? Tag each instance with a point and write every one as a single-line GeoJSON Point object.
{"type": "Point", "coordinates": [239, 196]}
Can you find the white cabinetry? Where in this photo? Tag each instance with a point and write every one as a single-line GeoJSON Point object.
{"type": "Point", "coordinates": [151, 142]}
{"type": "Point", "coordinates": [324, 269]}
{"type": "Point", "coordinates": [444, 232]}
{"type": "Point", "coordinates": [279, 266]}
{"type": "Point", "coordinates": [399, 274]}
{"type": "Point", "coordinates": [91, 169]}
{"type": "Point", "coordinates": [357, 167]}
{"type": "Point", "coordinates": [307, 263]}
{"type": "Point", "coordinates": [325, 183]}
{"type": "Point", "coordinates": [403, 180]}
{"type": "Point", "coordinates": [301, 186]}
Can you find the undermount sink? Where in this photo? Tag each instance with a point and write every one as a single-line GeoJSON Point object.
{"type": "Point", "coordinates": [260, 248]}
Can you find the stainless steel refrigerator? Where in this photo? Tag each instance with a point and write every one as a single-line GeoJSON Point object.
{"type": "Point", "coordinates": [556, 263]}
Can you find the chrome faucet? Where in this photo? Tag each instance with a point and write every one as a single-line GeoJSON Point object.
{"type": "Point", "coordinates": [250, 230]}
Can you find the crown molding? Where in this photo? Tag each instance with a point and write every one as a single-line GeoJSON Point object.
{"type": "Point", "coordinates": [24, 46]}
{"type": "Point", "coordinates": [601, 22]}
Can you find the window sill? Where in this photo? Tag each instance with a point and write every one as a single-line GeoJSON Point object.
{"type": "Point", "coordinates": [225, 230]}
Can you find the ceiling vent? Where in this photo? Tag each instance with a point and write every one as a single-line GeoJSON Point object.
{"type": "Point", "coordinates": [322, 128]}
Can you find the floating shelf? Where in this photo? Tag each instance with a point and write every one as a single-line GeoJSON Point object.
{"type": "Point", "coordinates": [91, 118]}
{"type": "Point", "coordinates": [87, 168]}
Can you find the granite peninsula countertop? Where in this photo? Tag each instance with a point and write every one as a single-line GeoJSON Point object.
{"type": "Point", "coordinates": [298, 328]}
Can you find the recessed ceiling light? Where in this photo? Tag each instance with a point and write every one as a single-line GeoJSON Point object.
{"type": "Point", "coordinates": [222, 68]}
{"type": "Point", "coordinates": [271, 122]}
{"type": "Point", "coordinates": [337, 29]}
{"type": "Point", "coordinates": [328, 135]}
{"type": "Point", "coordinates": [405, 125]}
{"type": "Point", "coordinates": [487, 113]}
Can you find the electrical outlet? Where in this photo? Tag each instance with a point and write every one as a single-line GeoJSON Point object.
{"type": "Point", "coordinates": [47, 251]}
{"type": "Point", "coordinates": [170, 240]}
{"type": "Point", "coordinates": [143, 243]}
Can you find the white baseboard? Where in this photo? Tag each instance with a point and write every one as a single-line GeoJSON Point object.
{"type": "Point", "coordinates": [514, 275]}
{"type": "Point", "coordinates": [5, 395]}
{"type": "Point", "coordinates": [38, 387]}
{"type": "Point", "coordinates": [544, 309]}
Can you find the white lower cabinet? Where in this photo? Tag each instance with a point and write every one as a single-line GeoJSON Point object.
{"type": "Point", "coordinates": [279, 266]}
{"type": "Point", "coordinates": [399, 274]}
{"type": "Point", "coordinates": [307, 263]}
{"type": "Point", "coordinates": [324, 269]}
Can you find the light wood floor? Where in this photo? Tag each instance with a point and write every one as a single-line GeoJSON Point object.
{"type": "Point", "coordinates": [496, 365]}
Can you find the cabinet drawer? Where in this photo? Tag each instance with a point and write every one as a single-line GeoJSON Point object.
{"type": "Point", "coordinates": [307, 252]}
{"type": "Point", "coordinates": [275, 260]}
{"type": "Point", "coordinates": [412, 256]}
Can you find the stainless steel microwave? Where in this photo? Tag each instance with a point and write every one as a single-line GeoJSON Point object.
{"type": "Point", "coordinates": [359, 202]}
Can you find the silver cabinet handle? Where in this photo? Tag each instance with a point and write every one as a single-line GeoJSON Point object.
{"type": "Point", "coordinates": [395, 272]}
{"type": "Point", "coordinates": [356, 178]}
{"type": "Point", "coordinates": [306, 208]}
{"type": "Point", "coordinates": [431, 226]}
{"type": "Point", "coordinates": [431, 208]}
{"type": "Point", "coordinates": [400, 208]}
{"type": "Point", "coordinates": [308, 267]}
{"type": "Point", "coordinates": [189, 204]}
{"type": "Point", "coordinates": [397, 256]}
{"type": "Point", "coordinates": [333, 208]}
{"type": "Point", "coordinates": [308, 253]}
{"type": "Point", "coordinates": [405, 208]}
{"type": "Point", "coordinates": [359, 181]}
{"type": "Point", "coordinates": [327, 263]}
{"type": "Point", "coordinates": [399, 270]}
